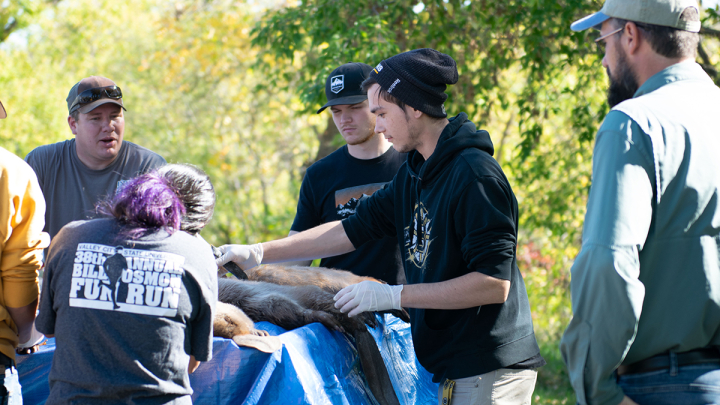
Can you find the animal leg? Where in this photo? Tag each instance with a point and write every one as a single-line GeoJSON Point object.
{"type": "Point", "coordinates": [287, 313]}
{"type": "Point", "coordinates": [323, 301]}
{"type": "Point", "coordinates": [374, 368]}
{"type": "Point", "coordinates": [230, 321]}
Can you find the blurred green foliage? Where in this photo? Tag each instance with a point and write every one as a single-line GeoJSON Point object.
{"type": "Point", "coordinates": [16, 14]}
{"type": "Point", "coordinates": [192, 94]}
{"type": "Point", "coordinates": [232, 87]}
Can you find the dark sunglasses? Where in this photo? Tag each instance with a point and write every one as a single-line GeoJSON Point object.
{"type": "Point", "coordinates": [94, 94]}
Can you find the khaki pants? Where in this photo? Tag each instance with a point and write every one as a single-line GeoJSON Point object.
{"type": "Point", "coordinates": [500, 387]}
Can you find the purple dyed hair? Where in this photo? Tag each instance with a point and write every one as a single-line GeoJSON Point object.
{"type": "Point", "coordinates": [145, 205]}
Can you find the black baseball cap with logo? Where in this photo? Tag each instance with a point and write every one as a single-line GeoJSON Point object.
{"type": "Point", "coordinates": [343, 85]}
{"type": "Point", "coordinates": [3, 114]}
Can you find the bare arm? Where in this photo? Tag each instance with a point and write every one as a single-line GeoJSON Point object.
{"type": "Point", "coordinates": [468, 291]}
{"type": "Point", "coordinates": [324, 240]}
{"type": "Point", "coordinates": [471, 290]}
{"type": "Point", "coordinates": [299, 262]}
{"type": "Point", "coordinates": [24, 318]}
{"type": "Point", "coordinates": [193, 365]}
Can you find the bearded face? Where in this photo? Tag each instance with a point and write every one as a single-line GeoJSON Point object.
{"type": "Point", "coordinates": [623, 83]}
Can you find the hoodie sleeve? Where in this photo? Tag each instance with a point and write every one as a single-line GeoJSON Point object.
{"type": "Point", "coordinates": [374, 217]}
{"type": "Point", "coordinates": [22, 217]}
{"type": "Point", "coordinates": [485, 226]}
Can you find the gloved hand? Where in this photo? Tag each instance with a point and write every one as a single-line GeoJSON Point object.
{"type": "Point", "coordinates": [245, 256]}
{"type": "Point", "coordinates": [35, 338]}
{"type": "Point", "coordinates": [368, 296]}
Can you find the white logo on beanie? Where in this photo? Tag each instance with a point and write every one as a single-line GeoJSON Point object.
{"type": "Point", "coordinates": [337, 83]}
{"type": "Point", "coordinates": [443, 108]}
{"type": "Point", "coordinates": [378, 68]}
{"type": "Point", "coordinates": [392, 86]}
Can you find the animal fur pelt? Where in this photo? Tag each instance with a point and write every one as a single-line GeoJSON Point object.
{"type": "Point", "coordinates": [230, 322]}
{"type": "Point", "coordinates": [291, 307]}
{"type": "Point", "coordinates": [330, 280]}
{"type": "Point", "coordinates": [294, 296]}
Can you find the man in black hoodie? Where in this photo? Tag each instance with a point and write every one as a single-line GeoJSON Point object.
{"type": "Point", "coordinates": [455, 217]}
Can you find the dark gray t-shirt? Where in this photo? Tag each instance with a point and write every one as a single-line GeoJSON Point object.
{"type": "Point", "coordinates": [71, 189]}
{"type": "Point", "coordinates": [126, 320]}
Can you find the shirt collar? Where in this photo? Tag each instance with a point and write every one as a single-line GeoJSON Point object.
{"type": "Point", "coordinates": [688, 70]}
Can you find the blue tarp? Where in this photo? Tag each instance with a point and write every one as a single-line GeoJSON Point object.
{"type": "Point", "coordinates": [314, 366]}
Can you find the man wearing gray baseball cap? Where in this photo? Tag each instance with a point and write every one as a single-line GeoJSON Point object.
{"type": "Point", "coordinates": [646, 283]}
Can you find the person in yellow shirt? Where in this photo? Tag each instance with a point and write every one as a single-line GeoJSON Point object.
{"type": "Point", "coordinates": [22, 218]}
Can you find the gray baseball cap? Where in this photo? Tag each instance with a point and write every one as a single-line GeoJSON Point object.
{"type": "Point", "coordinates": [657, 12]}
{"type": "Point", "coordinates": [3, 114]}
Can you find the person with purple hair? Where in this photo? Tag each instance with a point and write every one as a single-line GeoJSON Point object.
{"type": "Point", "coordinates": [130, 298]}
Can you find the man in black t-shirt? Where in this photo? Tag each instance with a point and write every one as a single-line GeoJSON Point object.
{"type": "Point", "coordinates": [334, 185]}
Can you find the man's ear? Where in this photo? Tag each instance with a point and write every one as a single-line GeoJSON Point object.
{"type": "Point", "coordinates": [73, 124]}
{"type": "Point", "coordinates": [413, 112]}
{"type": "Point", "coordinates": [631, 41]}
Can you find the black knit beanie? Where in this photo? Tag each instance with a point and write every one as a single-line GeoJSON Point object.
{"type": "Point", "coordinates": [418, 78]}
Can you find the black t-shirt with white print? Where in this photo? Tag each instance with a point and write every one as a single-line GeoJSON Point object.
{"type": "Point", "coordinates": [331, 191]}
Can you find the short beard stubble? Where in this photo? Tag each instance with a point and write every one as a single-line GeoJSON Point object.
{"type": "Point", "coordinates": [413, 135]}
{"type": "Point", "coordinates": [363, 139]}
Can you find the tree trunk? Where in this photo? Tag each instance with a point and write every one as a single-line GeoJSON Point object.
{"type": "Point", "coordinates": [326, 139]}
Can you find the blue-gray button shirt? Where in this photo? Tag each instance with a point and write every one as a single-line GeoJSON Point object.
{"type": "Point", "coordinates": [647, 279]}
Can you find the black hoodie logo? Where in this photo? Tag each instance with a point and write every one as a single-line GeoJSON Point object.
{"type": "Point", "coordinates": [417, 236]}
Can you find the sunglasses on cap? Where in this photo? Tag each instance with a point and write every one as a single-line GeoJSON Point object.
{"type": "Point", "coordinates": [96, 93]}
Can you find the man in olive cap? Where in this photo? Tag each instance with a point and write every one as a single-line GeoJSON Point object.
{"type": "Point", "coordinates": [333, 186]}
{"type": "Point", "coordinates": [455, 217]}
{"type": "Point", "coordinates": [22, 217]}
{"type": "Point", "coordinates": [646, 283]}
{"type": "Point", "coordinates": [77, 173]}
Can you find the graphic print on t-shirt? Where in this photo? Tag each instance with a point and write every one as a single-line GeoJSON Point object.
{"type": "Point", "coordinates": [417, 236]}
{"type": "Point", "coordinates": [120, 185]}
{"type": "Point", "coordinates": [126, 280]}
{"type": "Point", "coordinates": [346, 200]}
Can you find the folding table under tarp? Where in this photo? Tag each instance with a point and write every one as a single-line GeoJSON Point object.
{"type": "Point", "coordinates": [314, 366]}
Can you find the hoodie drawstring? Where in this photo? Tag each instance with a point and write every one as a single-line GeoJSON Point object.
{"type": "Point", "coordinates": [416, 209]}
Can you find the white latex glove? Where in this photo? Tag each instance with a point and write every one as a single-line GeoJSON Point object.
{"type": "Point", "coordinates": [35, 338]}
{"type": "Point", "coordinates": [368, 296]}
{"type": "Point", "coordinates": [245, 256]}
